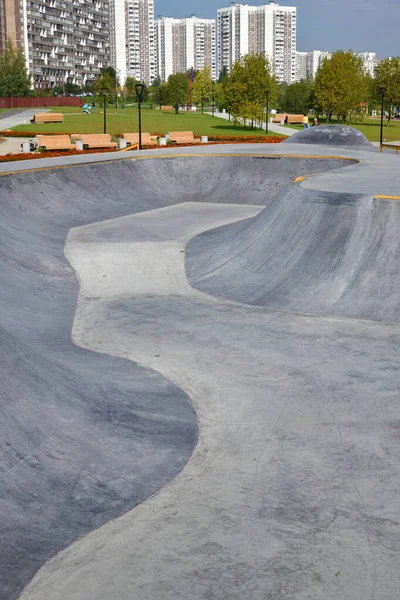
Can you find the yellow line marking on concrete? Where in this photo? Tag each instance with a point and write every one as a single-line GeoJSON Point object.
{"type": "Point", "coordinates": [302, 178]}
{"type": "Point", "coordinates": [161, 156]}
{"type": "Point", "coordinates": [387, 197]}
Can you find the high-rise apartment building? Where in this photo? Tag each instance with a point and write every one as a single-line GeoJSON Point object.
{"type": "Point", "coordinates": [184, 44]}
{"type": "Point", "coordinates": [269, 29]}
{"type": "Point", "coordinates": [301, 66]}
{"type": "Point", "coordinates": [314, 61]}
{"type": "Point", "coordinates": [63, 41]}
{"type": "Point", "coordinates": [369, 62]}
{"type": "Point", "coordinates": [132, 39]}
{"type": "Point", "coordinates": [140, 40]}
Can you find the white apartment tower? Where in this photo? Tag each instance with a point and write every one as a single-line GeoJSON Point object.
{"type": "Point", "coordinates": [132, 39]}
{"type": "Point", "coordinates": [269, 29]}
{"type": "Point", "coordinates": [301, 66]}
{"type": "Point", "coordinates": [183, 44]}
{"type": "Point", "coordinates": [118, 38]}
{"type": "Point", "coordinates": [63, 41]}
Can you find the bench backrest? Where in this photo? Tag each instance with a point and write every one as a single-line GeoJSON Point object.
{"type": "Point", "coordinates": [295, 118]}
{"type": "Point", "coordinates": [103, 138]}
{"type": "Point", "coordinates": [179, 135]}
{"type": "Point", "coordinates": [54, 141]}
{"type": "Point", "coordinates": [48, 117]}
{"type": "Point", "coordinates": [167, 108]}
{"type": "Point", "coordinates": [133, 138]}
{"type": "Point", "coordinates": [279, 117]}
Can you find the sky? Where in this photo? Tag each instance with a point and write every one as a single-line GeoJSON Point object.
{"type": "Point", "coordinates": [321, 24]}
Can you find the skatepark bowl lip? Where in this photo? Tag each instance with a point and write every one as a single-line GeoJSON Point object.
{"type": "Point", "coordinates": [54, 168]}
{"type": "Point", "coordinates": [58, 163]}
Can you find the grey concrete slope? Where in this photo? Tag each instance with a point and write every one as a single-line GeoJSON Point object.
{"type": "Point", "coordinates": [331, 135]}
{"type": "Point", "coordinates": [86, 437]}
{"type": "Point", "coordinates": [315, 252]}
{"type": "Point", "coordinates": [292, 491]}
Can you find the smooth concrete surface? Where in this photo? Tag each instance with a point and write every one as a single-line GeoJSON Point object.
{"type": "Point", "coordinates": [291, 491]}
{"type": "Point", "coordinates": [308, 251]}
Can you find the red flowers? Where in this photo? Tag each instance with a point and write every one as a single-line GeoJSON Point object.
{"type": "Point", "coordinates": [52, 154]}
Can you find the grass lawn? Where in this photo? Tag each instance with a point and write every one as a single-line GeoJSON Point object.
{"type": "Point", "coordinates": [370, 128]}
{"type": "Point", "coordinates": [126, 121]}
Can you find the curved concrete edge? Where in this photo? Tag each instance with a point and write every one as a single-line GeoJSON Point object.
{"type": "Point", "coordinates": [252, 500]}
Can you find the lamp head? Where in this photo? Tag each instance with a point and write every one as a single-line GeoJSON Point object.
{"type": "Point", "coordinates": [105, 92]}
{"type": "Point", "coordinates": [139, 87]}
{"type": "Point", "coordinates": [382, 90]}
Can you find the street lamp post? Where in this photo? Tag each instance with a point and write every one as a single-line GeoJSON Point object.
{"type": "Point", "coordinates": [382, 92]}
{"type": "Point", "coordinates": [139, 87]}
{"type": "Point", "coordinates": [105, 94]}
{"type": "Point", "coordinates": [212, 100]}
{"type": "Point", "coordinates": [267, 111]}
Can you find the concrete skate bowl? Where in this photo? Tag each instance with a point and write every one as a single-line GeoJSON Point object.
{"type": "Point", "coordinates": [331, 135]}
{"type": "Point", "coordinates": [87, 436]}
{"type": "Point", "coordinates": [308, 251]}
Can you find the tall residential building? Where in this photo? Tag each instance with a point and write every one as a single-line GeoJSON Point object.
{"type": "Point", "coordinates": [140, 40]}
{"type": "Point", "coordinates": [369, 62]}
{"type": "Point", "coordinates": [301, 66]}
{"type": "Point", "coordinates": [269, 29]}
{"type": "Point", "coordinates": [118, 38]}
{"type": "Point", "coordinates": [183, 44]}
{"type": "Point", "coordinates": [314, 61]}
{"type": "Point", "coordinates": [63, 41]}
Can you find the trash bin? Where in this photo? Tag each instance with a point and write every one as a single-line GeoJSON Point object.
{"type": "Point", "coordinates": [79, 145]}
{"type": "Point", "coordinates": [204, 139]}
{"type": "Point", "coordinates": [162, 141]}
{"type": "Point", "coordinates": [122, 144]}
{"type": "Point", "coordinates": [26, 147]}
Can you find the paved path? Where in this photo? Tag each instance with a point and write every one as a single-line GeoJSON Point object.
{"type": "Point", "coordinates": [12, 145]}
{"type": "Point", "coordinates": [18, 117]}
{"type": "Point", "coordinates": [271, 126]}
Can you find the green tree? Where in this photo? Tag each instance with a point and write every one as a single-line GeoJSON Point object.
{"type": "Point", "coordinates": [245, 88]}
{"type": "Point", "coordinates": [113, 75]}
{"type": "Point", "coordinates": [388, 76]}
{"type": "Point", "coordinates": [105, 83]}
{"type": "Point", "coordinates": [202, 87]}
{"type": "Point", "coordinates": [178, 90]}
{"type": "Point", "coordinates": [14, 78]}
{"type": "Point", "coordinates": [159, 94]}
{"type": "Point", "coordinates": [340, 86]}
{"type": "Point", "coordinates": [224, 74]}
{"type": "Point", "coordinates": [298, 98]}
{"type": "Point", "coordinates": [130, 83]}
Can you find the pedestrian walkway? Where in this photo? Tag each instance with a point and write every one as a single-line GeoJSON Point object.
{"type": "Point", "coordinates": [15, 117]}
{"type": "Point", "coordinates": [273, 127]}
{"type": "Point", "coordinates": [12, 145]}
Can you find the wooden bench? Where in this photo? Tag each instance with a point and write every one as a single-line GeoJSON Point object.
{"type": "Point", "coordinates": [183, 137]}
{"type": "Point", "coordinates": [48, 118]}
{"type": "Point", "coordinates": [392, 146]}
{"type": "Point", "coordinates": [98, 140]}
{"type": "Point", "coordinates": [167, 108]}
{"type": "Point", "coordinates": [279, 117]}
{"type": "Point", "coordinates": [295, 119]}
{"type": "Point", "coordinates": [133, 139]}
{"type": "Point", "coordinates": [55, 142]}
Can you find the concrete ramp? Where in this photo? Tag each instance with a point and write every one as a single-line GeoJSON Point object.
{"type": "Point", "coordinates": [307, 251]}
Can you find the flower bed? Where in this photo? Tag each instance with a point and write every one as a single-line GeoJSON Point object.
{"type": "Point", "coordinates": [52, 154]}
{"type": "Point", "coordinates": [29, 134]}
{"type": "Point", "coordinates": [246, 139]}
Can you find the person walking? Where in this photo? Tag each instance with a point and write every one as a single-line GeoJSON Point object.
{"type": "Point", "coordinates": [305, 122]}
{"type": "Point", "coordinates": [93, 107]}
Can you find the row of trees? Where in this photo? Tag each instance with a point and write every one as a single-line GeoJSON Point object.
{"type": "Point", "coordinates": [14, 78]}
